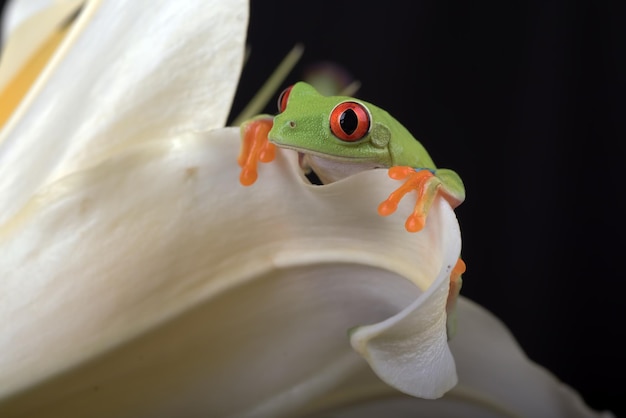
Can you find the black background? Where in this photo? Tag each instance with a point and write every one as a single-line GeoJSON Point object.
{"type": "Point", "coordinates": [525, 100]}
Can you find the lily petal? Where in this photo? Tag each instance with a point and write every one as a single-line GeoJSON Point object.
{"type": "Point", "coordinates": [93, 100]}
{"type": "Point", "coordinates": [408, 350]}
{"type": "Point", "coordinates": [164, 234]}
{"type": "Point", "coordinates": [26, 25]}
{"type": "Point", "coordinates": [496, 379]}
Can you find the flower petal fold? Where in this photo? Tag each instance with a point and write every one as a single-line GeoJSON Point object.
{"type": "Point", "coordinates": [409, 350]}
{"type": "Point", "coordinates": [163, 277]}
{"type": "Point", "coordinates": [496, 380]}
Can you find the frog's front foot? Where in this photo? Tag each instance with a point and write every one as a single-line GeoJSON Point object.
{"type": "Point", "coordinates": [427, 183]}
{"type": "Point", "coordinates": [424, 182]}
{"type": "Point", "coordinates": [255, 147]}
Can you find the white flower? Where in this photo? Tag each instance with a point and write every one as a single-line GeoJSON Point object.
{"type": "Point", "coordinates": [140, 279]}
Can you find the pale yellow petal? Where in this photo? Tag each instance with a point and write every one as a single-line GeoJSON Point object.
{"type": "Point", "coordinates": [27, 27]}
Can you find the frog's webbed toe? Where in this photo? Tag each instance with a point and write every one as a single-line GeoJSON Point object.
{"type": "Point", "coordinates": [427, 183]}
{"type": "Point", "coordinates": [424, 182]}
{"type": "Point", "coordinates": [255, 147]}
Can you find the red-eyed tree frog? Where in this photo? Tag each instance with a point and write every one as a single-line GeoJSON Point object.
{"type": "Point", "coordinates": [337, 136]}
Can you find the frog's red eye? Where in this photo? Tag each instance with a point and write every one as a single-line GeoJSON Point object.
{"type": "Point", "coordinates": [350, 121]}
{"type": "Point", "coordinates": [283, 99]}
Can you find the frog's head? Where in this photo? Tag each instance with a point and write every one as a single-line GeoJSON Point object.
{"type": "Point", "coordinates": [337, 128]}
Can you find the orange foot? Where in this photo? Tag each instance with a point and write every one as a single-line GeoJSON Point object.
{"type": "Point", "coordinates": [422, 181]}
{"type": "Point", "coordinates": [455, 284]}
{"type": "Point", "coordinates": [453, 295]}
{"type": "Point", "coordinates": [255, 147]}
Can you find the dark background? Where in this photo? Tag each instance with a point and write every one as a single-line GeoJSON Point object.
{"type": "Point", "coordinates": [525, 100]}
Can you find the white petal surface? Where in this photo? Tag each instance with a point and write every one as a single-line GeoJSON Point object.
{"type": "Point", "coordinates": [496, 380]}
{"type": "Point", "coordinates": [115, 82]}
{"type": "Point", "coordinates": [408, 350]}
{"type": "Point", "coordinates": [204, 293]}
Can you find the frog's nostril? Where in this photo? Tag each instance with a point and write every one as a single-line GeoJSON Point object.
{"type": "Point", "coordinates": [292, 124]}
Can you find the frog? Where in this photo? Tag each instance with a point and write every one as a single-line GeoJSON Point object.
{"type": "Point", "coordinates": [339, 136]}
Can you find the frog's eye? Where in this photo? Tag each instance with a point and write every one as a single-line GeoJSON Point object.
{"type": "Point", "coordinates": [283, 99]}
{"type": "Point", "coordinates": [350, 121]}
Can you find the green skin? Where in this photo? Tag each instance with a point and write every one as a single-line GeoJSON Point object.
{"type": "Point", "coordinates": [304, 126]}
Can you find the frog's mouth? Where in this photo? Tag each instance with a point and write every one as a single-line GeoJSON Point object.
{"type": "Point", "coordinates": [308, 171]}
{"type": "Point", "coordinates": [322, 169]}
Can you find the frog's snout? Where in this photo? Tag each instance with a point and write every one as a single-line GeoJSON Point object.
{"type": "Point", "coordinates": [285, 124]}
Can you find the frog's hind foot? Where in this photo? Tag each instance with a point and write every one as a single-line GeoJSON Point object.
{"type": "Point", "coordinates": [456, 282]}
